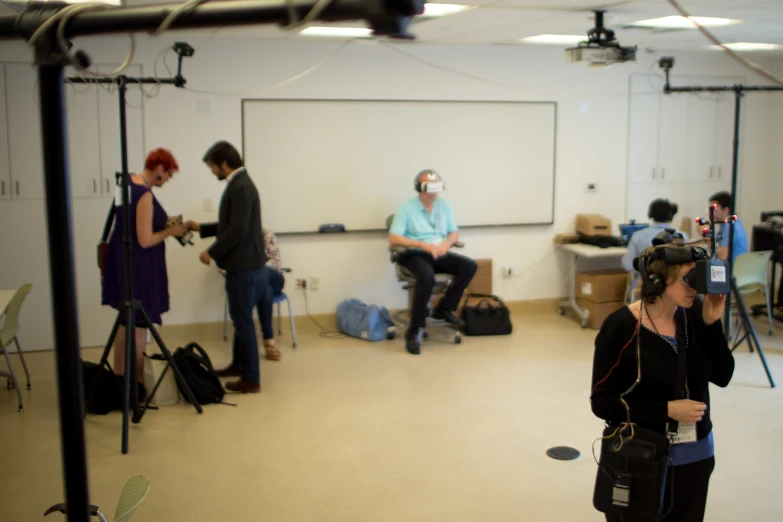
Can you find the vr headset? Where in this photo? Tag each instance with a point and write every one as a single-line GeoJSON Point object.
{"type": "Point", "coordinates": [430, 187]}
{"type": "Point", "coordinates": [709, 276]}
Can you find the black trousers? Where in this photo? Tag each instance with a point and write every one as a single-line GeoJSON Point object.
{"type": "Point", "coordinates": [691, 482]}
{"type": "Point", "coordinates": [424, 267]}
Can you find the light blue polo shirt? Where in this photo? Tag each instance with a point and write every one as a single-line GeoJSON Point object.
{"type": "Point", "coordinates": [413, 221]}
{"type": "Point", "coordinates": [740, 238]}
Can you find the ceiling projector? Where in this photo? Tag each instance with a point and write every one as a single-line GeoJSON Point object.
{"type": "Point", "coordinates": [601, 47]}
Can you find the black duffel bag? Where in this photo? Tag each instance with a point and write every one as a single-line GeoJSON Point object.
{"type": "Point", "coordinates": [485, 315]}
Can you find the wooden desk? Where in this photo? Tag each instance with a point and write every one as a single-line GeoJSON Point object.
{"type": "Point", "coordinates": [577, 251]}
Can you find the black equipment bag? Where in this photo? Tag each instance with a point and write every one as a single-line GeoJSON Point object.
{"type": "Point", "coordinates": [108, 389]}
{"type": "Point", "coordinates": [602, 241]}
{"type": "Point", "coordinates": [489, 316]}
{"type": "Point", "coordinates": [645, 459]}
{"type": "Point", "coordinates": [196, 368]}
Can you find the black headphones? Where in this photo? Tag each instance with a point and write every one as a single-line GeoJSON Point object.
{"type": "Point", "coordinates": [417, 181]}
{"type": "Point", "coordinates": [653, 284]}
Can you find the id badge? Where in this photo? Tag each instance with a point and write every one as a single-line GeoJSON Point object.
{"type": "Point", "coordinates": [685, 433]}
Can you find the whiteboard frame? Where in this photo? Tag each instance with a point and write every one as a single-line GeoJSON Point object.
{"type": "Point", "coordinates": [551, 221]}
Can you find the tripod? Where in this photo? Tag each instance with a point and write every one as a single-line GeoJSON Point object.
{"type": "Point", "coordinates": [749, 331]}
{"type": "Point", "coordinates": [131, 408]}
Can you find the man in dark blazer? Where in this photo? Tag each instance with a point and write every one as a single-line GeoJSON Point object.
{"type": "Point", "coordinates": [239, 250]}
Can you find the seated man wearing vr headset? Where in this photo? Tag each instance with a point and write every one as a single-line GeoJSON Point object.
{"type": "Point", "coordinates": [426, 226]}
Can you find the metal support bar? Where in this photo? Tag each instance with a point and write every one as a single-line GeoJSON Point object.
{"type": "Point", "coordinates": [386, 17]}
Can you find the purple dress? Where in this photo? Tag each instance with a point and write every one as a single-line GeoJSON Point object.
{"type": "Point", "coordinates": [150, 279]}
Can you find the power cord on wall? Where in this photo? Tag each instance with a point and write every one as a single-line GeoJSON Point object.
{"type": "Point", "coordinates": [329, 334]}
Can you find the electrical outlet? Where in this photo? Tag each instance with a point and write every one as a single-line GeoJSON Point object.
{"type": "Point", "coordinates": [506, 271]}
{"type": "Point", "coordinates": [314, 283]}
{"type": "Point", "coordinates": [301, 283]}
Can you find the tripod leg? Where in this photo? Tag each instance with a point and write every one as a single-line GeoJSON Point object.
{"type": "Point", "coordinates": [170, 359]}
{"type": "Point", "coordinates": [152, 393]}
{"type": "Point", "coordinates": [743, 311]}
{"type": "Point", "coordinates": [130, 349]}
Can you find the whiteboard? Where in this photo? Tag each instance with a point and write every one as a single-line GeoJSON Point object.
{"type": "Point", "coordinates": [354, 161]}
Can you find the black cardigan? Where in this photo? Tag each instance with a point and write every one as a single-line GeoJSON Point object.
{"type": "Point", "coordinates": [708, 360]}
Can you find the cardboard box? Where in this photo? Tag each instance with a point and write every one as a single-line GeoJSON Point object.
{"type": "Point", "coordinates": [599, 311]}
{"type": "Point", "coordinates": [593, 225]}
{"type": "Point", "coordinates": [601, 286]}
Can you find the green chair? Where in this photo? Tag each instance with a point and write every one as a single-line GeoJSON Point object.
{"type": "Point", "coordinates": [133, 494]}
{"type": "Point", "coordinates": [8, 334]}
{"type": "Point", "coordinates": [751, 271]}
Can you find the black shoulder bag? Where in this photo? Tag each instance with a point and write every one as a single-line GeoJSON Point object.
{"type": "Point", "coordinates": [490, 316]}
{"type": "Point", "coordinates": [634, 471]}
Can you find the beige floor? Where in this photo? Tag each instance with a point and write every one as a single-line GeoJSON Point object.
{"type": "Point", "coordinates": [351, 431]}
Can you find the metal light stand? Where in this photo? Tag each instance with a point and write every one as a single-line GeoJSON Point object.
{"type": "Point", "coordinates": [746, 324]}
{"type": "Point", "coordinates": [387, 18]}
{"type": "Point", "coordinates": [666, 63]}
{"type": "Point", "coordinates": [129, 306]}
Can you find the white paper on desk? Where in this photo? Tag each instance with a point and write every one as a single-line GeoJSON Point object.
{"type": "Point", "coordinates": [587, 288]}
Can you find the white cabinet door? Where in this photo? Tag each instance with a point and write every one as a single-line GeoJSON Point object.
{"type": "Point", "coordinates": [640, 195]}
{"type": "Point", "coordinates": [24, 131]}
{"type": "Point", "coordinates": [724, 137]}
{"type": "Point", "coordinates": [701, 138]}
{"type": "Point", "coordinates": [24, 258]}
{"type": "Point", "coordinates": [5, 167]}
{"type": "Point", "coordinates": [643, 136]}
{"type": "Point", "coordinates": [83, 140]}
{"type": "Point", "coordinates": [109, 113]}
{"type": "Point", "coordinates": [672, 138]}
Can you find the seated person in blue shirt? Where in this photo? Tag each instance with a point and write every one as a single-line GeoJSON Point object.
{"type": "Point", "coordinates": [661, 213]}
{"type": "Point", "coordinates": [426, 225]}
{"type": "Point", "coordinates": [722, 202]}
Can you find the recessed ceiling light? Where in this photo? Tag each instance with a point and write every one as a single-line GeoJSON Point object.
{"type": "Point", "coordinates": [443, 9]}
{"type": "Point", "coordinates": [750, 46]}
{"type": "Point", "coordinates": [555, 39]}
{"type": "Point", "coordinates": [680, 22]}
{"type": "Point", "coordinates": [345, 32]}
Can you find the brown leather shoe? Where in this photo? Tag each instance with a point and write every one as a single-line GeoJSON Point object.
{"type": "Point", "coordinates": [241, 386]}
{"type": "Point", "coordinates": [230, 371]}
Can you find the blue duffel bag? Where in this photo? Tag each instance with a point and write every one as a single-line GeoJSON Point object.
{"type": "Point", "coordinates": [368, 322]}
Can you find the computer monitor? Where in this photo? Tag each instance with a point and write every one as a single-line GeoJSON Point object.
{"type": "Point", "coordinates": [627, 230]}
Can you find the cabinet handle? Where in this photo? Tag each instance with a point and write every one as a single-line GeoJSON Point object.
{"type": "Point", "coordinates": [653, 172]}
{"type": "Point", "coordinates": [108, 187]}
{"type": "Point", "coordinates": [2, 188]}
{"type": "Point", "coordinates": [663, 173]}
{"type": "Point", "coordinates": [17, 188]}
{"type": "Point", "coordinates": [711, 168]}
{"type": "Point", "coordinates": [720, 171]}
{"type": "Point", "coordinates": [94, 186]}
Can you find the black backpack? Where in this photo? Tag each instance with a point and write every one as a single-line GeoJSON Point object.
{"type": "Point", "coordinates": [198, 372]}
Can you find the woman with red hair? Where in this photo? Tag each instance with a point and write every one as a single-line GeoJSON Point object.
{"type": "Point", "coordinates": [150, 279]}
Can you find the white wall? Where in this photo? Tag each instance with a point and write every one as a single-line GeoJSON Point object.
{"type": "Point", "coordinates": [591, 148]}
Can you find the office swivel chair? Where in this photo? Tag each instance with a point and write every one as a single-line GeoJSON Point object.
{"type": "Point", "coordinates": [442, 281]}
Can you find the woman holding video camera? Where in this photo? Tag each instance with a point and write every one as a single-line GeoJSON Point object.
{"type": "Point", "coordinates": [668, 318]}
{"type": "Point", "coordinates": [148, 232]}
